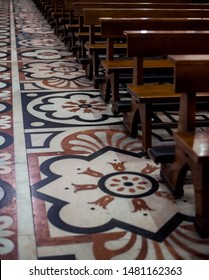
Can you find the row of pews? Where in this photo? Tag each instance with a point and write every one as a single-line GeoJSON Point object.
{"type": "Point", "coordinates": [160, 51]}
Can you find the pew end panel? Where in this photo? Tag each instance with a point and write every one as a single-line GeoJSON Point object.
{"type": "Point", "coordinates": [191, 146]}
{"type": "Point", "coordinates": [140, 45]}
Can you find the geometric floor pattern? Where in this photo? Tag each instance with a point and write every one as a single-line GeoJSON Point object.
{"type": "Point", "coordinates": [73, 183]}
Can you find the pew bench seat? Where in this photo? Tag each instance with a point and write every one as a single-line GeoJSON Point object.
{"type": "Point", "coordinates": [103, 46]}
{"type": "Point", "coordinates": [85, 35]}
{"type": "Point", "coordinates": [143, 104]}
{"type": "Point", "coordinates": [79, 49]}
{"type": "Point", "coordinates": [113, 68]}
{"type": "Point", "coordinates": [70, 26]}
{"type": "Point", "coordinates": [150, 93]}
{"type": "Point", "coordinates": [96, 50]}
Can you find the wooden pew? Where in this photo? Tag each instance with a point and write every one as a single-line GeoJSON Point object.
{"type": "Point", "coordinates": [59, 16]}
{"type": "Point", "coordinates": [52, 10]}
{"type": "Point", "coordinates": [75, 20]}
{"type": "Point", "coordinates": [64, 19]}
{"type": "Point", "coordinates": [74, 12]}
{"type": "Point", "coordinates": [82, 34]}
{"type": "Point", "coordinates": [78, 6]}
{"type": "Point", "coordinates": [42, 4]}
{"type": "Point", "coordinates": [146, 98]}
{"type": "Point", "coordinates": [91, 18]}
{"type": "Point", "coordinates": [112, 29]}
{"type": "Point", "coordinates": [45, 5]}
{"type": "Point", "coordinates": [192, 147]}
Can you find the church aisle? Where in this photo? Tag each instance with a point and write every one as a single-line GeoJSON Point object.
{"type": "Point", "coordinates": [73, 184]}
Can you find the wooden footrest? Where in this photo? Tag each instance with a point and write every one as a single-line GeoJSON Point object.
{"type": "Point", "coordinates": [150, 93]}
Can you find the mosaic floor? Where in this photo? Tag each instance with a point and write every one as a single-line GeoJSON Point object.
{"type": "Point", "coordinates": [73, 184]}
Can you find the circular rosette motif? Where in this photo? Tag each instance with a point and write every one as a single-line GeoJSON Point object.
{"type": "Point", "coordinates": [128, 184]}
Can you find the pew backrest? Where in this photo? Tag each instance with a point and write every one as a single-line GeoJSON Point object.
{"type": "Point", "coordinates": [79, 6]}
{"type": "Point", "coordinates": [192, 72]}
{"type": "Point", "coordinates": [148, 42]}
{"type": "Point", "coordinates": [112, 28]}
{"type": "Point", "coordinates": [91, 16]}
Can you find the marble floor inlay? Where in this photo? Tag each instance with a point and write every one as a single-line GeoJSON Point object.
{"type": "Point", "coordinates": [73, 183]}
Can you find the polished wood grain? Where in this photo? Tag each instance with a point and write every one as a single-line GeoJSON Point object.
{"type": "Point", "coordinates": [112, 29]}
{"type": "Point", "coordinates": [192, 147]}
{"type": "Point", "coordinates": [154, 43]}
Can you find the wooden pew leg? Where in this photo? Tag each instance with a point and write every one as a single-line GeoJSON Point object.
{"type": "Point", "coordinates": [76, 50]}
{"type": "Point", "coordinates": [83, 49]}
{"type": "Point", "coordinates": [174, 174]}
{"type": "Point", "coordinates": [200, 176]}
{"type": "Point", "coordinates": [131, 119]}
{"type": "Point", "coordinates": [95, 67]}
{"type": "Point", "coordinates": [145, 111]}
{"type": "Point", "coordinates": [114, 84]}
{"type": "Point", "coordinates": [89, 69]}
{"type": "Point", "coordinates": [105, 89]}
{"type": "Point", "coordinates": [140, 113]}
{"type": "Point", "coordinates": [70, 39]}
